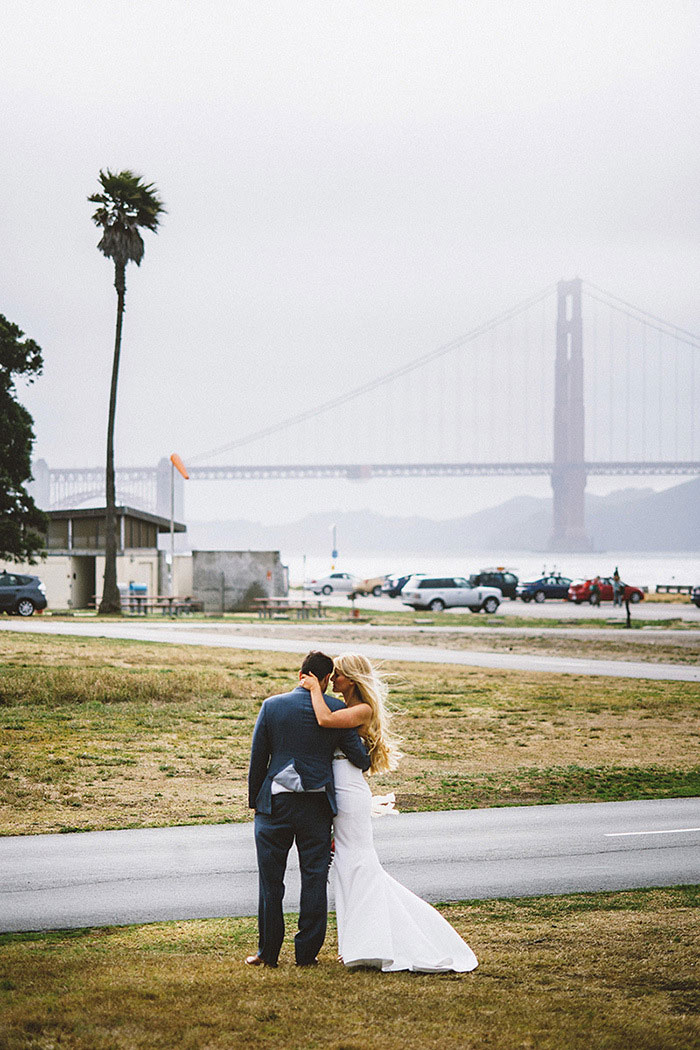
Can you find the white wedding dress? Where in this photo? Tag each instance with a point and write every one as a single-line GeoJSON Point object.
{"type": "Point", "coordinates": [380, 922]}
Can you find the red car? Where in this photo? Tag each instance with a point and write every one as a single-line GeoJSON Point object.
{"type": "Point", "coordinates": [580, 591]}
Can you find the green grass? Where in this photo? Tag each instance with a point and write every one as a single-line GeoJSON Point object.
{"type": "Point", "coordinates": [605, 971]}
{"type": "Point", "coordinates": [507, 615]}
{"type": "Point", "coordinates": [572, 783]}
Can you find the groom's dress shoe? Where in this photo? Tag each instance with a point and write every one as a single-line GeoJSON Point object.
{"type": "Point", "coordinates": [311, 962]}
{"type": "Point", "coordinates": [255, 960]}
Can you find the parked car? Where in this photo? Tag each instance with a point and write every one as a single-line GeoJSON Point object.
{"type": "Point", "coordinates": [580, 591]}
{"type": "Point", "coordinates": [695, 596]}
{"type": "Point", "coordinates": [445, 592]}
{"type": "Point", "coordinates": [337, 581]}
{"type": "Point", "coordinates": [506, 582]}
{"type": "Point", "coordinates": [370, 586]}
{"type": "Point", "coordinates": [22, 595]}
{"type": "Point", "coordinates": [393, 585]}
{"type": "Point", "coordinates": [546, 587]}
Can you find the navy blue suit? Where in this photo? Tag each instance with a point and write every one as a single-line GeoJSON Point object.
{"type": "Point", "coordinates": [290, 747]}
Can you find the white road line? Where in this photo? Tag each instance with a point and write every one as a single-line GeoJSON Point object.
{"type": "Point", "coordinates": [667, 831]}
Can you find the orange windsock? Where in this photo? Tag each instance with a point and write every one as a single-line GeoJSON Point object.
{"type": "Point", "coordinates": [179, 465]}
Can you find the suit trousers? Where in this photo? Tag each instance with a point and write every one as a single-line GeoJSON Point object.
{"type": "Point", "coordinates": [304, 818]}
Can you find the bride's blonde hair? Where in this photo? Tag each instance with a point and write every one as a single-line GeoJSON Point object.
{"type": "Point", "coordinates": [372, 689]}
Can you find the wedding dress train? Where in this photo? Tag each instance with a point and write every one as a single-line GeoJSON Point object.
{"type": "Point", "coordinates": [380, 922]}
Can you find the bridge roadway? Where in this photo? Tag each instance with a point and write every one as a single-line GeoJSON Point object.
{"type": "Point", "coordinates": [364, 471]}
{"type": "Point", "coordinates": [298, 639]}
{"type": "Point", "coordinates": [120, 877]}
{"type": "Point", "coordinates": [148, 487]}
{"type": "Point", "coordinates": [77, 477]}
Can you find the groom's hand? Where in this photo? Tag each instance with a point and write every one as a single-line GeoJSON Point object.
{"type": "Point", "coordinates": [308, 681]}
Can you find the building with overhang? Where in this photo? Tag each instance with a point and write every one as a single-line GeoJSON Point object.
{"type": "Point", "coordinates": [73, 568]}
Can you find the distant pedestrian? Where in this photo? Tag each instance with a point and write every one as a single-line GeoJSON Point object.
{"type": "Point", "coordinates": [594, 597]}
{"type": "Point", "coordinates": [617, 588]}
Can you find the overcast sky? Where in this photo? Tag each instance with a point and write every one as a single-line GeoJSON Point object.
{"type": "Point", "coordinates": [348, 185]}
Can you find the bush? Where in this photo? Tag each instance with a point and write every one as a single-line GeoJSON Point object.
{"type": "Point", "coordinates": [246, 603]}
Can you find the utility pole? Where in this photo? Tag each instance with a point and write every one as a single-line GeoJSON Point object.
{"type": "Point", "coordinates": [175, 464]}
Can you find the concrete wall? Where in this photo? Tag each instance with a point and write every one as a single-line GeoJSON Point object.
{"type": "Point", "coordinates": [183, 575]}
{"type": "Point", "coordinates": [63, 575]}
{"type": "Point", "coordinates": [55, 574]}
{"type": "Point", "coordinates": [223, 578]}
{"type": "Point", "coordinates": [133, 566]}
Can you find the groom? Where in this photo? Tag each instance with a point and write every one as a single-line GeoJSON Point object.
{"type": "Point", "coordinates": [290, 786]}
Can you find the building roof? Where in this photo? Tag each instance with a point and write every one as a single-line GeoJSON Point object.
{"type": "Point", "coordinates": [163, 524]}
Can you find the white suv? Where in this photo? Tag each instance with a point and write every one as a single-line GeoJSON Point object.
{"type": "Point", "coordinates": [444, 592]}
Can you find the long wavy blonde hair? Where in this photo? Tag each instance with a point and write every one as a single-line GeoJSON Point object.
{"type": "Point", "coordinates": [372, 689]}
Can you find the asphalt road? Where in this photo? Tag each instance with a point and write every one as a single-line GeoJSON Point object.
{"type": "Point", "coordinates": [122, 877]}
{"type": "Point", "coordinates": [200, 633]}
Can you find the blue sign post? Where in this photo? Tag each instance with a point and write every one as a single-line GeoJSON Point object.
{"type": "Point", "coordinates": [334, 550]}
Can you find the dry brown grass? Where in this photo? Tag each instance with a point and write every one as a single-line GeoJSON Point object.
{"type": "Point", "coordinates": [670, 599]}
{"type": "Point", "coordinates": [585, 641]}
{"type": "Point", "coordinates": [595, 972]}
{"type": "Point", "coordinates": [640, 646]}
{"type": "Point", "coordinates": [108, 734]}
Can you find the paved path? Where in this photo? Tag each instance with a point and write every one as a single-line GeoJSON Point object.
{"type": "Point", "coordinates": [122, 877]}
{"type": "Point", "coordinates": [204, 634]}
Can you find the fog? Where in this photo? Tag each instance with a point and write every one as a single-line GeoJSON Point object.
{"type": "Point", "coordinates": [348, 186]}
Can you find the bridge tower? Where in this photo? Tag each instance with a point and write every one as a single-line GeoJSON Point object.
{"type": "Point", "coordinates": [568, 466]}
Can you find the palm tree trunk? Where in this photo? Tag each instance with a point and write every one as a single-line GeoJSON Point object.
{"type": "Point", "coordinates": [111, 602]}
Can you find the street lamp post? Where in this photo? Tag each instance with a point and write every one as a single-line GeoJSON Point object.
{"type": "Point", "coordinates": [334, 548]}
{"type": "Point", "coordinates": [175, 464]}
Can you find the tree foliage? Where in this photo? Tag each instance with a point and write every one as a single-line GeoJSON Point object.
{"type": "Point", "coordinates": [22, 524]}
{"type": "Point", "coordinates": [126, 204]}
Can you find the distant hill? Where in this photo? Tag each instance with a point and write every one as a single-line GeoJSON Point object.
{"type": "Point", "coordinates": [641, 520]}
{"type": "Point", "coordinates": [628, 519]}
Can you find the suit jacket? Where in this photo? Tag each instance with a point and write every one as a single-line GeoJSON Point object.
{"type": "Point", "coordinates": [290, 746]}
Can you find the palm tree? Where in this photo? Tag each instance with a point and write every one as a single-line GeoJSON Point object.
{"type": "Point", "coordinates": [125, 205]}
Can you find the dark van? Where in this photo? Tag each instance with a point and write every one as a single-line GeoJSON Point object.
{"type": "Point", "coordinates": [507, 582]}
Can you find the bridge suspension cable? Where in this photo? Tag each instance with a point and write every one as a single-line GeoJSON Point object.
{"type": "Point", "coordinates": [380, 381]}
{"type": "Point", "coordinates": [643, 316]}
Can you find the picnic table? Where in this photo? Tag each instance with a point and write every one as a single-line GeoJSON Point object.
{"type": "Point", "coordinates": [168, 605]}
{"type": "Point", "coordinates": [304, 608]}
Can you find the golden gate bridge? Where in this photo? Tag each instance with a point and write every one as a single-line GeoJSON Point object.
{"type": "Point", "coordinates": [570, 383]}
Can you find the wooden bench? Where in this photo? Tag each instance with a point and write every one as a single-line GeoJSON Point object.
{"type": "Point", "coordinates": [304, 608]}
{"type": "Point", "coordinates": [142, 605]}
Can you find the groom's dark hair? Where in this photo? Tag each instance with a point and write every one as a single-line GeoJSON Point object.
{"type": "Point", "coordinates": [317, 663]}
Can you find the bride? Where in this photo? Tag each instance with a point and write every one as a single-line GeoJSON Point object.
{"type": "Point", "coordinates": [380, 922]}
